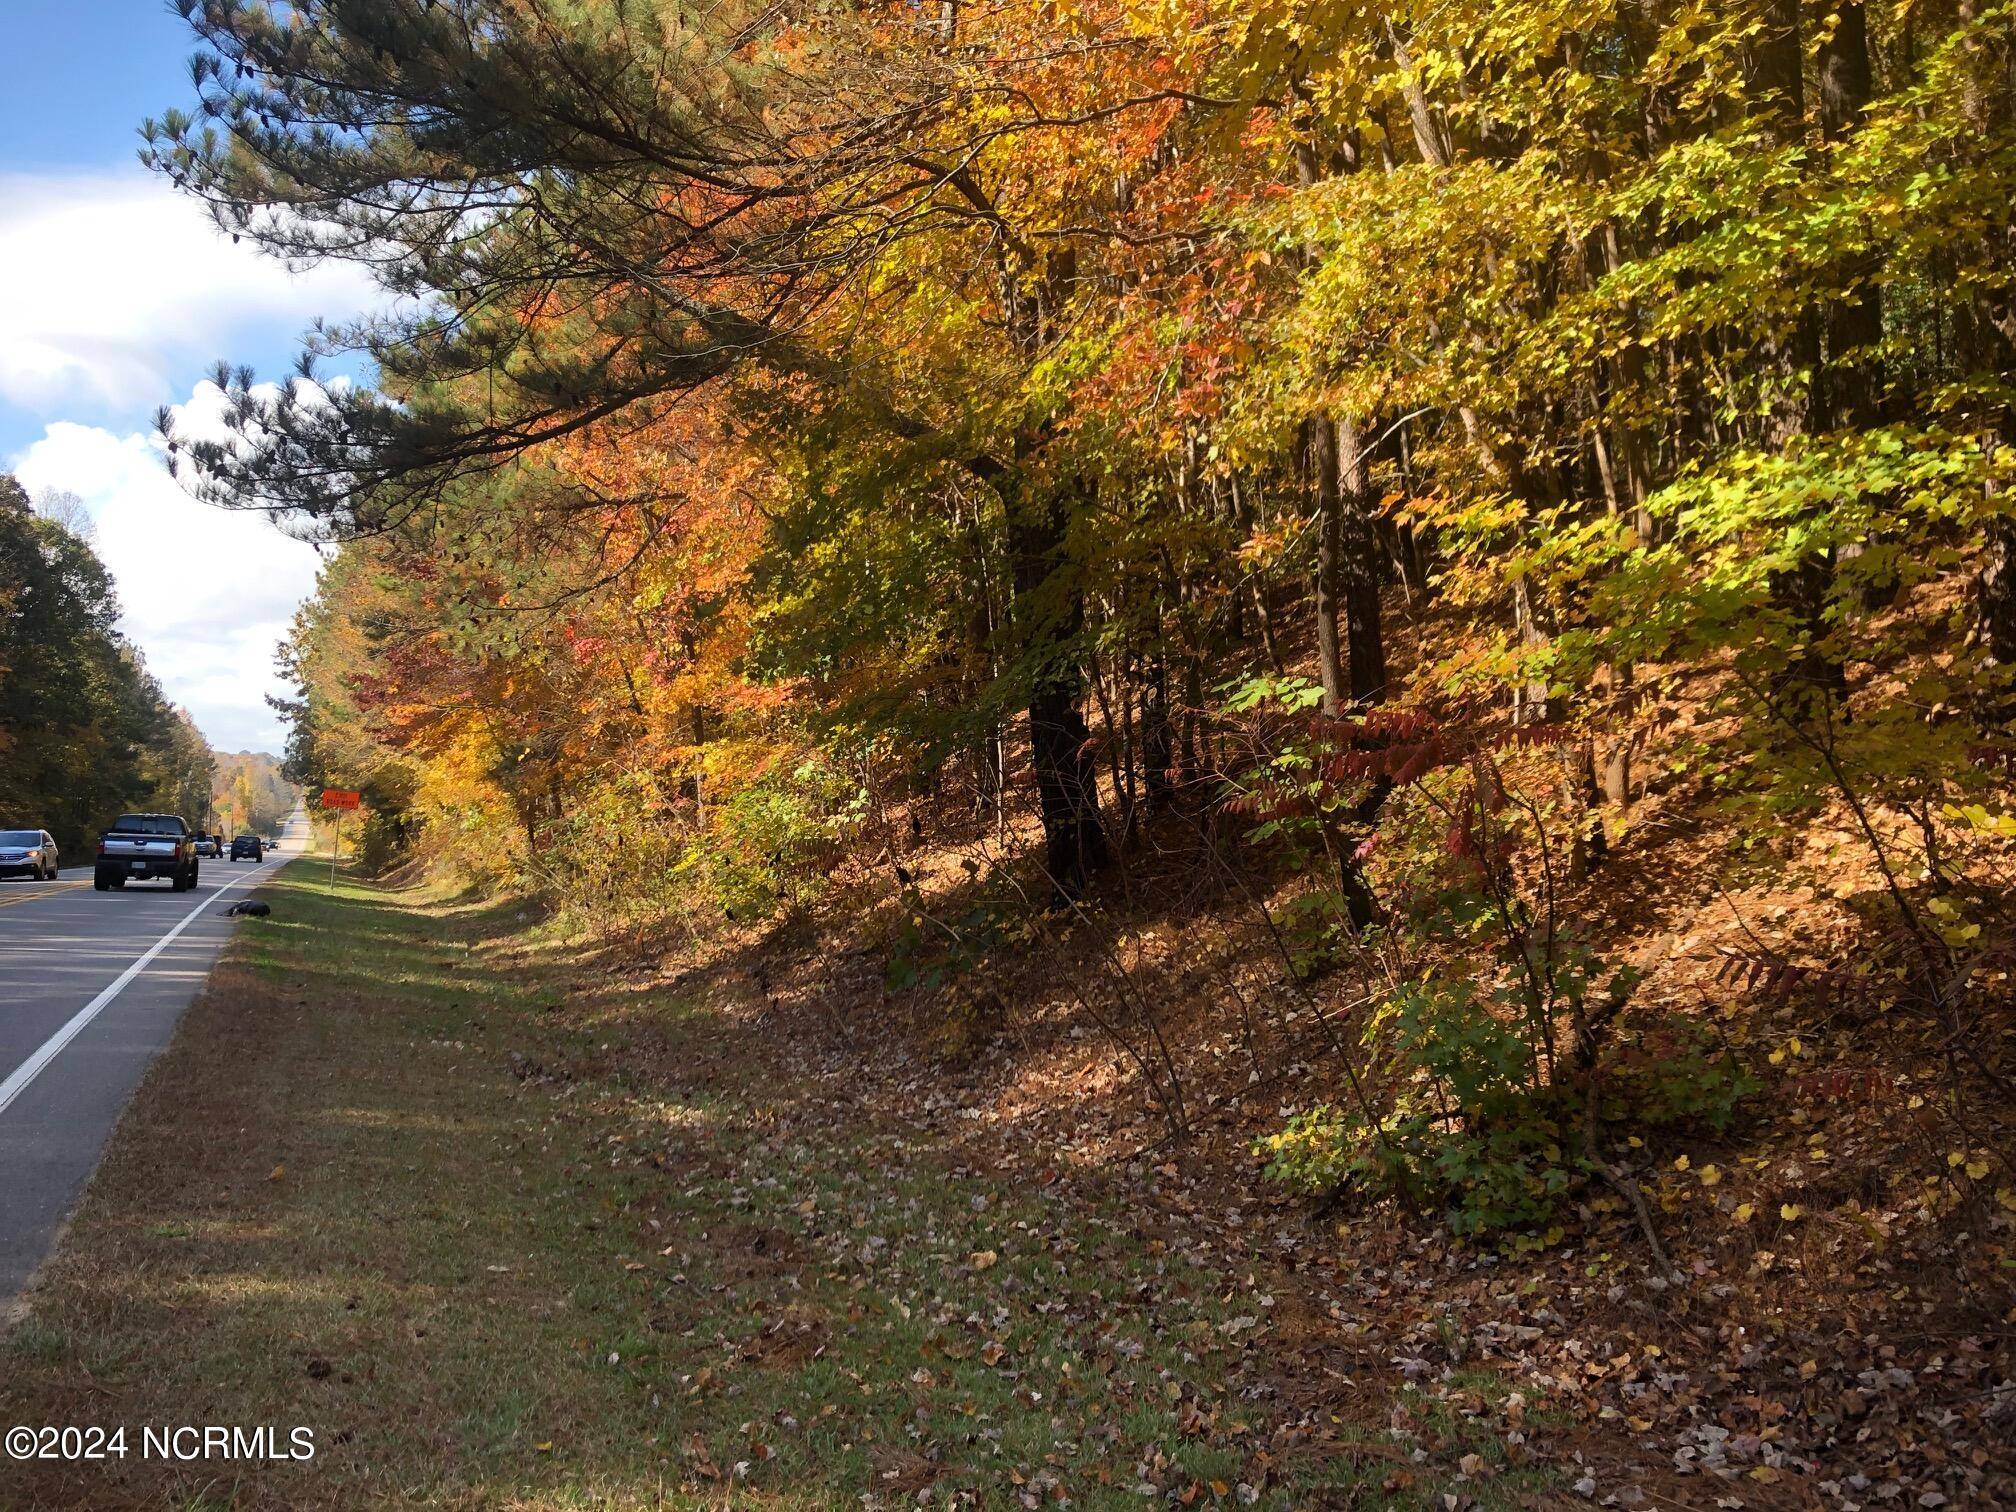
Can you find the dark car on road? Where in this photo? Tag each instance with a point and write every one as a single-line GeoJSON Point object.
{"type": "Point", "coordinates": [27, 853]}
{"type": "Point", "coordinates": [248, 848]}
{"type": "Point", "coordinates": [140, 846]}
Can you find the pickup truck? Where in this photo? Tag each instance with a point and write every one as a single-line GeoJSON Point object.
{"type": "Point", "coordinates": [139, 846]}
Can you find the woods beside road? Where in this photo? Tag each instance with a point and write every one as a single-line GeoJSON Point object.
{"type": "Point", "coordinates": [86, 731]}
{"type": "Point", "coordinates": [1253, 749]}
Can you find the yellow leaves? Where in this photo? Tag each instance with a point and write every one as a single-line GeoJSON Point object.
{"type": "Point", "coordinates": [1745, 1211]}
{"type": "Point", "coordinates": [1791, 1212]}
{"type": "Point", "coordinates": [1683, 1163]}
{"type": "Point", "coordinates": [1527, 1244]}
{"type": "Point", "coordinates": [1709, 1175]}
{"type": "Point", "coordinates": [1953, 929]}
{"type": "Point", "coordinates": [1979, 819]}
{"type": "Point", "coordinates": [983, 1260]}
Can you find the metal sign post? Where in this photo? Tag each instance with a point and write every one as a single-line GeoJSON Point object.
{"type": "Point", "coordinates": [338, 799]}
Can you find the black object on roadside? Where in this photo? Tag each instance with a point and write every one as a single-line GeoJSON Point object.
{"type": "Point", "coordinates": [250, 908]}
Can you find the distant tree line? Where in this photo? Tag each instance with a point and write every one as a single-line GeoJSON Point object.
{"type": "Point", "coordinates": [251, 792]}
{"type": "Point", "coordinates": [85, 730]}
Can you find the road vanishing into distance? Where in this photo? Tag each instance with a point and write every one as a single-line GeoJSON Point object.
{"type": "Point", "coordinates": [92, 985]}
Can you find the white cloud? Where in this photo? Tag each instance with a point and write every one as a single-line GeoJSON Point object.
{"type": "Point", "coordinates": [118, 285]}
{"type": "Point", "coordinates": [207, 593]}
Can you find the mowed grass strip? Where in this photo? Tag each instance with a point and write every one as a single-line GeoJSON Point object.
{"type": "Point", "coordinates": [403, 1184]}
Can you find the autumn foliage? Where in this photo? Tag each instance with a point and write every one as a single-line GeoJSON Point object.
{"type": "Point", "coordinates": [1413, 455]}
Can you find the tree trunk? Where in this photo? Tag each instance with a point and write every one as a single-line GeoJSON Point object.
{"type": "Point", "coordinates": [1530, 701]}
{"type": "Point", "coordinates": [1995, 592]}
{"type": "Point", "coordinates": [1854, 325]}
{"type": "Point", "coordinates": [1990, 325]}
{"type": "Point", "coordinates": [1049, 612]}
{"type": "Point", "coordinates": [1358, 568]}
{"type": "Point", "coordinates": [1347, 544]}
{"type": "Point", "coordinates": [1255, 582]}
{"type": "Point", "coordinates": [1623, 691]}
{"type": "Point", "coordinates": [1588, 841]}
{"type": "Point", "coordinates": [1158, 752]}
{"type": "Point", "coordinates": [1322, 434]}
{"type": "Point", "coordinates": [1776, 84]}
{"type": "Point", "coordinates": [1067, 781]}
{"type": "Point", "coordinates": [1777, 98]}
{"type": "Point", "coordinates": [1632, 450]}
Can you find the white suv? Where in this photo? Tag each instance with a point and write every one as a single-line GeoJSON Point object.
{"type": "Point", "coordinates": [28, 853]}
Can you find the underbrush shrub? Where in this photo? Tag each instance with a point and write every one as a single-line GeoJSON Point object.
{"type": "Point", "coordinates": [1475, 1127]}
{"type": "Point", "coordinates": [617, 850]}
{"type": "Point", "coordinates": [1490, 1069]}
{"type": "Point", "coordinates": [941, 958]}
{"type": "Point", "coordinates": [767, 846]}
{"type": "Point", "coordinates": [930, 951]}
{"type": "Point", "coordinates": [478, 845]}
{"type": "Point", "coordinates": [383, 839]}
{"type": "Point", "coordinates": [1467, 1129]}
{"type": "Point", "coordinates": [1676, 1076]}
{"type": "Point", "coordinates": [635, 854]}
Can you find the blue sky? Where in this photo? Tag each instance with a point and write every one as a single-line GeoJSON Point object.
{"type": "Point", "coordinates": [119, 295]}
{"type": "Point", "coordinates": [83, 72]}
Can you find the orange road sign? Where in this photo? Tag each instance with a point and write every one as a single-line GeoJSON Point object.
{"type": "Point", "coordinates": [339, 798]}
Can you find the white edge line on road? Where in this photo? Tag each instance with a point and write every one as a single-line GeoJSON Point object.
{"type": "Point", "coordinates": [28, 1070]}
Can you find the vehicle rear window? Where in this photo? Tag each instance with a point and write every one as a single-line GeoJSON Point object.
{"type": "Point", "coordinates": [20, 837]}
{"type": "Point", "coordinates": [149, 824]}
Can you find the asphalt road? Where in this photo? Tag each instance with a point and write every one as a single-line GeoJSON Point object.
{"type": "Point", "coordinates": [67, 1071]}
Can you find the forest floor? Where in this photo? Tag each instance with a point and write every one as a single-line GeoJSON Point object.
{"type": "Point", "coordinates": [1838, 1326]}
{"type": "Point", "coordinates": [1841, 1325]}
{"type": "Point", "coordinates": [506, 1224]}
